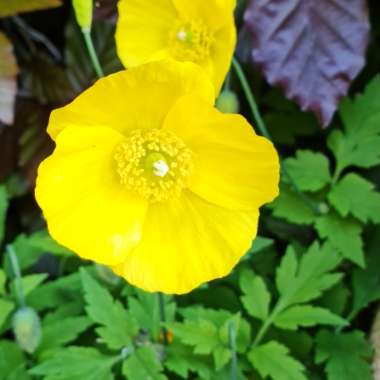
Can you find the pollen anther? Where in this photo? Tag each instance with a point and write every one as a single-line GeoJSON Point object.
{"type": "Point", "coordinates": [154, 163]}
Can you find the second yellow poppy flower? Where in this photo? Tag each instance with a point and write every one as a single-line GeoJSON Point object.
{"type": "Point", "coordinates": [199, 31]}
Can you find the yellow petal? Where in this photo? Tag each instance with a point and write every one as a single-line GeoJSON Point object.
{"type": "Point", "coordinates": [143, 29]}
{"type": "Point", "coordinates": [148, 31]}
{"type": "Point", "coordinates": [86, 208]}
{"type": "Point", "coordinates": [187, 242]}
{"type": "Point", "coordinates": [233, 167]}
{"type": "Point", "coordinates": [134, 99]}
{"type": "Point", "coordinates": [215, 13]}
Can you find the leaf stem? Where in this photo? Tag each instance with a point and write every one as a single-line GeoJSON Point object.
{"type": "Point", "coordinates": [17, 273]}
{"type": "Point", "coordinates": [268, 321]}
{"type": "Point", "coordinates": [161, 303]}
{"type": "Point", "coordinates": [92, 52]}
{"type": "Point", "coordinates": [232, 343]}
{"type": "Point", "coordinates": [264, 130]}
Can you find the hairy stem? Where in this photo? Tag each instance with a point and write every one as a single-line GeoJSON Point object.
{"type": "Point", "coordinates": [232, 343]}
{"type": "Point", "coordinates": [92, 52]}
{"type": "Point", "coordinates": [161, 303]}
{"type": "Point", "coordinates": [264, 130]}
{"type": "Point", "coordinates": [17, 273]}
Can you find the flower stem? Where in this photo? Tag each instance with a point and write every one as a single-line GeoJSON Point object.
{"type": "Point", "coordinates": [264, 130]}
{"type": "Point", "coordinates": [161, 303]}
{"type": "Point", "coordinates": [232, 342]}
{"type": "Point", "coordinates": [92, 53]}
{"type": "Point", "coordinates": [17, 273]}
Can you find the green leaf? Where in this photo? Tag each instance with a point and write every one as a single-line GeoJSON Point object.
{"type": "Point", "coordinates": [76, 363]}
{"type": "Point", "coordinates": [146, 310]}
{"type": "Point", "coordinates": [256, 298]}
{"type": "Point", "coordinates": [60, 332]}
{"type": "Point", "coordinates": [13, 7]}
{"type": "Point", "coordinates": [306, 316]}
{"type": "Point", "coordinates": [29, 283]}
{"type": "Point", "coordinates": [143, 364]}
{"type": "Point", "coordinates": [272, 359]}
{"type": "Point", "coordinates": [181, 360]}
{"type": "Point", "coordinates": [8, 83]}
{"type": "Point", "coordinates": [11, 360]}
{"type": "Point", "coordinates": [355, 195]}
{"type": "Point", "coordinates": [347, 355]}
{"type": "Point", "coordinates": [43, 241]}
{"type": "Point", "coordinates": [359, 144]}
{"type": "Point", "coordinates": [53, 294]}
{"type": "Point", "coordinates": [300, 281]}
{"type": "Point", "coordinates": [3, 280]}
{"type": "Point", "coordinates": [344, 235]}
{"type": "Point", "coordinates": [288, 205]}
{"type": "Point", "coordinates": [309, 170]}
{"type": "Point", "coordinates": [3, 205]}
{"type": "Point", "coordinates": [6, 307]}
{"type": "Point", "coordinates": [118, 327]}
{"type": "Point", "coordinates": [366, 282]}
{"type": "Point", "coordinates": [202, 335]}
{"type": "Point", "coordinates": [336, 298]}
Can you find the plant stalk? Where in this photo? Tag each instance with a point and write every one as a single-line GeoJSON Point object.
{"type": "Point", "coordinates": [232, 342]}
{"type": "Point", "coordinates": [92, 52]}
{"type": "Point", "coordinates": [17, 273]}
{"type": "Point", "coordinates": [161, 303]}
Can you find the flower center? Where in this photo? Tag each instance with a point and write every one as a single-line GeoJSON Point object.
{"type": "Point", "coordinates": [154, 163]}
{"type": "Point", "coordinates": [191, 41]}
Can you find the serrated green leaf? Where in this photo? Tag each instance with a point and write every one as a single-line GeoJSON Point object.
{"type": "Point", "coordinates": [336, 298]}
{"type": "Point", "coordinates": [309, 170]}
{"type": "Point", "coordinates": [288, 205]}
{"type": "Point", "coordinates": [366, 282]}
{"type": "Point", "coordinates": [304, 280]}
{"type": "Point", "coordinates": [117, 326]}
{"type": "Point", "coordinates": [347, 355]}
{"type": "Point", "coordinates": [3, 279]}
{"type": "Point", "coordinates": [3, 208]}
{"type": "Point", "coordinates": [272, 359]}
{"type": "Point", "coordinates": [357, 196]}
{"type": "Point", "coordinates": [11, 360]}
{"type": "Point", "coordinates": [306, 316]}
{"type": "Point", "coordinates": [181, 360]}
{"type": "Point", "coordinates": [256, 298]}
{"type": "Point", "coordinates": [359, 144]}
{"type": "Point", "coordinates": [13, 7]}
{"type": "Point", "coordinates": [344, 235]}
{"type": "Point", "coordinates": [6, 307]}
{"type": "Point", "coordinates": [64, 290]}
{"type": "Point", "coordinates": [29, 283]}
{"type": "Point", "coordinates": [60, 332]}
{"type": "Point", "coordinates": [43, 241]}
{"type": "Point", "coordinates": [146, 310]}
{"type": "Point", "coordinates": [76, 363]}
{"type": "Point", "coordinates": [143, 364]}
{"type": "Point", "coordinates": [202, 335]}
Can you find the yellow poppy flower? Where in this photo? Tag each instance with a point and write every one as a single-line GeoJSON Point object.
{"type": "Point", "coordinates": [148, 178]}
{"type": "Point", "coordinates": [199, 31]}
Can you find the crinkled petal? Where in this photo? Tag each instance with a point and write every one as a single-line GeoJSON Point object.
{"type": "Point", "coordinates": [214, 13]}
{"type": "Point", "coordinates": [138, 98]}
{"type": "Point", "coordinates": [86, 208]}
{"type": "Point", "coordinates": [233, 167]}
{"type": "Point", "coordinates": [187, 242]}
{"type": "Point", "coordinates": [143, 29]}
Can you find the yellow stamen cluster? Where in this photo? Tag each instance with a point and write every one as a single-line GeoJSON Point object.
{"type": "Point", "coordinates": [191, 41]}
{"type": "Point", "coordinates": [153, 163]}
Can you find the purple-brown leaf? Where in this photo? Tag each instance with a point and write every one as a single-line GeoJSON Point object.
{"type": "Point", "coordinates": [313, 49]}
